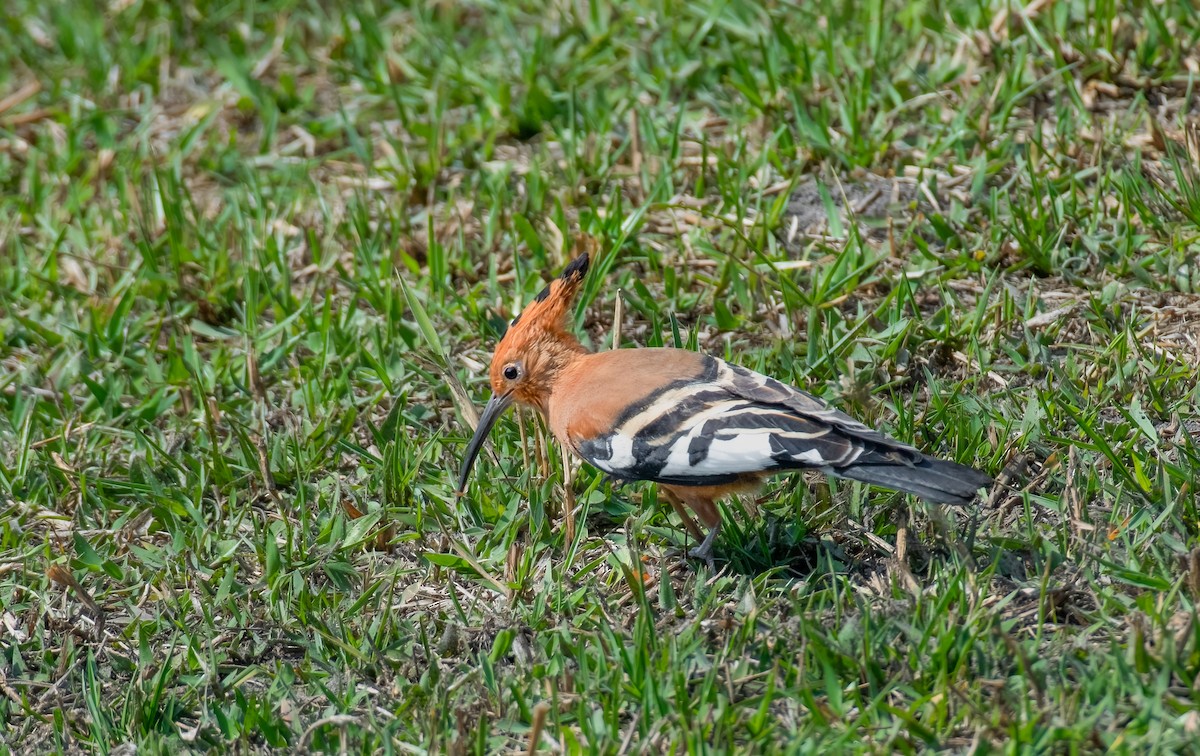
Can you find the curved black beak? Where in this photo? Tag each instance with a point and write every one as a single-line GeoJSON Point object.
{"type": "Point", "coordinates": [491, 413]}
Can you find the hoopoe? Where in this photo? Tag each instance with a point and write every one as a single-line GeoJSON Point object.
{"type": "Point", "coordinates": [700, 427]}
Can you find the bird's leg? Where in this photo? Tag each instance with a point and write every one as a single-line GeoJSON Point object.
{"type": "Point", "coordinates": [700, 501]}
{"type": "Point", "coordinates": [705, 549]}
{"type": "Point", "coordinates": [688, 523]}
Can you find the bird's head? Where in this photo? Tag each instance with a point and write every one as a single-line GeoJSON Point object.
{"type": "Point", "coordinates": [537, 345]}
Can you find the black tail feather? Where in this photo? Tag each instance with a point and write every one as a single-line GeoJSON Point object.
{"type": "Point", "coordinates": [935, 480]}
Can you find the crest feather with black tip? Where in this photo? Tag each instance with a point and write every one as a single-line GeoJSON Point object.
{"type": "Point", "coordinates": [549, 309]}
{"type": "Point", "coordinates": [541, 331]}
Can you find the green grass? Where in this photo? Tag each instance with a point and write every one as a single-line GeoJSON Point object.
{"type": "Point", "coordinates": [248, 251]}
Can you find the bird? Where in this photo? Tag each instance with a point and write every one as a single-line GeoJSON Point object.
{"type": "Point", "coordinates": [700, 427]}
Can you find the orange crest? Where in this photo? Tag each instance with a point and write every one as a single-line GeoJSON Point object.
{"type": "Point", "coordinates": [529, 352]}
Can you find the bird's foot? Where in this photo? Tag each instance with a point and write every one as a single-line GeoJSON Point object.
{"type": "Point", "coordinates": [705, 549]}
{"type": "Point", "coordinates": [700, 552]}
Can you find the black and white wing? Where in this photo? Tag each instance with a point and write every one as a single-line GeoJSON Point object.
{"type": "Point", "coordinates": [728, 422]}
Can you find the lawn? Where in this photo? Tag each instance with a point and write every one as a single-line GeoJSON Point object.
{"type": "Point", "coordinates": [254, 257]}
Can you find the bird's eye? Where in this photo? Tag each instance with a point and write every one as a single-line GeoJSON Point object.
{"type": "Point", "coordinates": [512, 372]}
